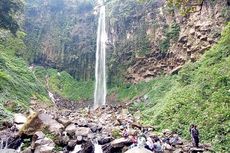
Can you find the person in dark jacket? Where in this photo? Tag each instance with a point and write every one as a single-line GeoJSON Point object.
{"type": "Point", "coordinates": [195, 135]}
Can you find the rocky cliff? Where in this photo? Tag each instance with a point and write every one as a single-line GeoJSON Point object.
{"type": "Point", "coordinates": [144, 39]}
{"type": "Point", "coordinates": [62, 34]}
{"type": "Point", "coordinates": [170, 38]}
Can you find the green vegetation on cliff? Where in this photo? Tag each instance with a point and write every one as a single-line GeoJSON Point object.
{"type": "Point", "coordinates": [63, 84]}
{"type": "Point", "coordinates": [199, 94]}
{"type": "Point", "coordinates": [17, 83]}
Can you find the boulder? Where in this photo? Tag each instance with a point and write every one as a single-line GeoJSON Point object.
{"type": "Point", "coordinates": [82, 122]}
{"type": "Point", "coordinates": [104, 140]}
{"type": "Point", "coordinates": [45, 145]}
{"type": "Point", "coordinates": [32, 125]}
{"type": "Point", "coordinates": [119, 143]}
{"type": "Point", "coordinates": [72, 143]}
{"type": "Point", "coordinates": [8, 151]}
{"type": "Point", "coordinates": [87, 147]}
{"type": "Point", "coordinates": [45, 141]}
{"type": "Point", "coordinates": [82, 131]}
{"type": "Point", "coordinates": [19, 118]}
{"type": "Point", "coordinates": [138, 150]}
{"type": "Point", "coordinates": [52, 124]}
{"type": "Point", "coordinates": [44, 149]}
{"type": "Point", "coordinates": [39, 135]}
{"type": "Point", "coordinates": [70, 129]}
{"type": "Point", "coordinates": [64, 121]}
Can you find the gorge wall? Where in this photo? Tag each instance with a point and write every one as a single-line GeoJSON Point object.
{"type": "Point", "coordinates": [144, 39]}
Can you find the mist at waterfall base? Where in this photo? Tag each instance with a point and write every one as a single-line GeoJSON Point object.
{"type": "Point", "coordinates": [100, 69]}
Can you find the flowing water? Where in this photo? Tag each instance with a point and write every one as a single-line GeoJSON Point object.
{"type": "Point", "coordinates": [77, 148]}
{"type": "Point", "coordinates": [97, 148]}
{"type": "Point", "coordinates": [100, 69]}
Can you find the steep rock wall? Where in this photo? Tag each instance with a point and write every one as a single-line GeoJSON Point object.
{"type": "Point", "coordinates": [62, 34]}
{"type": "Point", "coordinates": [172, 39]}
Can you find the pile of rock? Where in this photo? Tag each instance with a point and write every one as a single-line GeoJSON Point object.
{"type": "Point", "coordinates": [62, 130]}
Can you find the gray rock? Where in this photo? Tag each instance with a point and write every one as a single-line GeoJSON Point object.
{"type": "Point", "coordinates": [8, 151]}
{"type": "Point", "coordinates": [71, 129]}
{"type": "Point", "coordinates": [119, 143]}
{"type": "Point", "coordinates": [52, 124]}
{"type": "Point", "coordinates": [19, 118]}
{"type": "Point", "coordinates": [82, 131]}
{"type": "Point", "coordinates": [72, 143]}
{"type": "Point", "coordinates": [44, 142]}
{"type": "Point", "coordinates": [39, 135]}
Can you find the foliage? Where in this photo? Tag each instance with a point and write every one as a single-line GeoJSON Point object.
{"type": "Point", "coordinates": [62, 34]}
{"type": "Point", "coordinates": [184, 6]}
{"type": "Point", "coordinates": [17, 83]}
{"type": "Point", "coordinates": [64, 84]}
{"type": "Point", "coordinates": [171, 33]}
{"type": "Point", "coordinates": [198, 94]}
{"type": "Point", "coordinates": [8, 10]}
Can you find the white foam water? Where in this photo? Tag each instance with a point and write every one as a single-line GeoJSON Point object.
{"type": "Point", "coordinates": [100, 69]}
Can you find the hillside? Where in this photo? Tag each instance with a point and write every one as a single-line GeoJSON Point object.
{"type": "Point", "coordinates": [199, 94]}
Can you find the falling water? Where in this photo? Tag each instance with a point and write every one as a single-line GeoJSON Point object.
{"type": "Point", "coordinates": [77, 148]}
{"type": "Point", "coordinates": [97, 148]}
{"type": "Point", "coordinates": [100, 70]}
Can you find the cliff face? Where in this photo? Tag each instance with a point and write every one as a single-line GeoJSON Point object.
{"type": "Point", "coordinates": [171, 39]}
{"type": "Point", "coordinates": [144, 39]}
{"type": "Point", "coordinates": [62, 34]}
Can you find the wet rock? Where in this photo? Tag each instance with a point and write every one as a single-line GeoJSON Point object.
{"type": "Point", "coordinates": [79, 139]}
{"type": "Point", "coordinates": [82, 131]}
{"type": "Point", "coordinates": [107, 148]}
{"type": "Point", "coordinates": [104, 140]}
{"type": "Point", "coordinates": [72, 144]}
{"type": "Point", "coordinates": [88, 147]}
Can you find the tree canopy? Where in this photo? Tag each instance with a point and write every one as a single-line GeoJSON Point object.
{"type": "Point", "coordinates": [8, 11]}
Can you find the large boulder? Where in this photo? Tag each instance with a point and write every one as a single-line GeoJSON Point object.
{"type": "Point", "coordinates": [32, 125]}
{"type": "Point", "coordinates": [82, 131]}
{"type": "Point", "coordinates": [70, 129]}
{"type": "Point", "coordinates": [52, 124]}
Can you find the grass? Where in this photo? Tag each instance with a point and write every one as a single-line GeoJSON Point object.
{"type": "Point", "coordinates": [64, 84]}
{"type": "Point", "coordinates": [199, 94]}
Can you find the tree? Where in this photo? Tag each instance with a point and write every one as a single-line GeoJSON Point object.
{"type": "Point", "coordinates": [8, 10]}
{"type": "Point", "coordinates": [185, 6]}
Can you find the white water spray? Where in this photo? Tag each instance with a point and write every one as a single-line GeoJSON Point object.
{"type": "Point", "coordinates": [97, 148]}
{"type": "Point", "coordinates": [100, 69]}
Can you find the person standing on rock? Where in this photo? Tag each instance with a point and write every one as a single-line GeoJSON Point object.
{"type": "Point", "coordinates": [195, 135]}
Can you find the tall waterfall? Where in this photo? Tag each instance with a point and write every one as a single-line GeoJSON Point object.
{"type": "Point", "coordinates": [100, 69]}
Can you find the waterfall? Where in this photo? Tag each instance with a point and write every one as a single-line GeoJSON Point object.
{"type": "Point", "coordinates": [97, 148]}
{"type": "Point", "coordinates": [100, 69]}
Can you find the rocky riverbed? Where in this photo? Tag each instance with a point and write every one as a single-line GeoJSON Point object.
{"type": "Point", "coordinates": [85, 130]}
